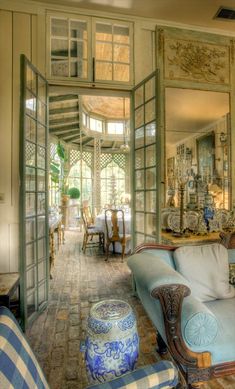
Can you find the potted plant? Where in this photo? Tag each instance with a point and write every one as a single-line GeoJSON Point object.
{"type": "Point", "coordinates": [74, 194]}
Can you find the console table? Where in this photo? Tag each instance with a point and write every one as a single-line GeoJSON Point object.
{"type": "Point", "coordinates": [9, 285]}
{"type": "Point", "coordinates": [169, 239]}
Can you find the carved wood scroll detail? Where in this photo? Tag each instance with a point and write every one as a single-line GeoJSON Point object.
{"type": "Point", "coordinates": [171, 298]}
{"type": "Point", "coordinates": [195, 61]}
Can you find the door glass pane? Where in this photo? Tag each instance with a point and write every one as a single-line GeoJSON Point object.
{"type": "Point", "coordinates": [30, 228]}
{"type": "Point", "coordinates": [41, 157]}
{"type": "Point", "coordinates": [150, 155]}
{"type": "Point", "coordinates": [139, 201]}
{"type": "Point", "coordinates": [31, 80]}
{"type": "Point", "coordinates": [41, 248]}
{"type": "Point", "coordinates": [150, 133]}
{"type": "Point", "coordinates": [41, 226]}
{"type": "Point", "coordinates": [41, 90]}
{"type": "Point", "coordinates": [139, 158]}
{"type": "Point", "coordinates": [30, 179]}
{"type": "Point", "coordinates": [42, 292]}
{"type": "Point", "coordinates": [150, 111]}
{"type": "Point", "coordinates": [31, 304]}
{"type": "Point", "coordinates": [41, 203]}
{"type": "Point", "coordinates": [139, 179]}
{"type": "Point", "coordinates": [41, 180]}
{"type": "Point", "coordinates": [30, 104]}
{"type": "Point", "coordinates": [150, 179]}
{"type": "Point", "coordinates": [150, 201]}
{"type": "Point", "coordinates": [139, 222]}
{"type": "Point", "coordinates": [139, 96]}
{"type": "Point", "coordinates": [30, 253]}
{"type": "Point", "coordinates": [139, 137]}
{"type": "Point", "coordinates": [30, 208]}
{"type": "Point", "coordinates": [41, 134]}
{"type": "Point", "coordinates": [41, 271]}
{"type": "Point", "coordinates": [150, 89]}
{"type": "Point", "coordinates": [30, 154]}
{"type": "Point", "coordinates": [151, 224]}
{"type": "Point", "coordinates": [31, 279]}
{"type": "Point", "coordinates": [139, 117]}
{"type": "Point", "coordinates": [30, 129]}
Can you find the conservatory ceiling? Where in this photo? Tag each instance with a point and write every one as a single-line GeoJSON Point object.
{"type": "Point", "coordinates": [65, 122]}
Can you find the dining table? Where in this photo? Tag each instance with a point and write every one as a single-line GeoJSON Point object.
{"type": "Point", "coordinates": [100, 224]}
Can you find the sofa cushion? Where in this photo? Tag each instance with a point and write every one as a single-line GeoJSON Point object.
{"type": "Point", "coordinates": [18, 366]}
{"type": "Point", "coordinates": [207, 270]}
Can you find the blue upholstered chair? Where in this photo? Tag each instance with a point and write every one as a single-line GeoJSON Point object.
{"type": "Point", "coordinates": [19, 368]}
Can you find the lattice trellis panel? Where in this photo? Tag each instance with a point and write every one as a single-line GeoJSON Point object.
{"type": "Point", "coordinates": [119, 159]}
{"type": "Point", "coordinates": [88, 158]}
{"type": "Point", "coordinates": [74, 156]}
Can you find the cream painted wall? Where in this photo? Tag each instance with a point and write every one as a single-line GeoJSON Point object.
{"type": "Point", "coordinates": [18, 34]}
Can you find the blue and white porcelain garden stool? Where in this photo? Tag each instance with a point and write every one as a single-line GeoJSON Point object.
{"type": "Point", "coordinates": [112, 342]}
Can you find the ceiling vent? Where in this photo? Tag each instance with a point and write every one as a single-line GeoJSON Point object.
{"type": "Point", "coordinates": [225, 13]}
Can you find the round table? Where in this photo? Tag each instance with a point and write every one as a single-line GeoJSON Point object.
{"type": "Point", "coordinates": [112, 342]}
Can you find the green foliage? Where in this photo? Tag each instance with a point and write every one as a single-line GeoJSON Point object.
{"type": "Point", "coordinates": [55, 171]}
{"type": "Point", "coordinates": [74, 193]}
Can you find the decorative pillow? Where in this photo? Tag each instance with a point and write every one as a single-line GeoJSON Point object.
{"type": "Point", "coordinates": [207, 270]}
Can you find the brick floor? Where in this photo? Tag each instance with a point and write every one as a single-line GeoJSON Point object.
{"type": "Point", "coordinates": [78, 282]}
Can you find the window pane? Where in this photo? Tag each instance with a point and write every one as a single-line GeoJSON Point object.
{"type": "Point", "coordinates": [41, 203]}
{"type": "Point", "coordinates": [139, 179]}
{"type": "Point", "coordinates": [103, 51]}
{"type": "Point", "coordinates": [30, 129]}
{"type": "Point", "coordinates": [121, 54]}
{"type": "Point", "coordinates": [139, 222]}
{"type": "Point", "coordinates": [121, 72]}
{"type": "Point", "coordinates": [59, 27]}
{"type": "Point", "coordinates": [78, 69]}
{"type": "Point", "coordinates": [78, 29]}
{"type": "Point", "coordinates": [59, 67]}
{"type": "Point", "coordinates": [30, 104]}
{"type": "Point", "coordinates": [139, 117]}
{"type": "Point", "coordinates": [139, 159]}
{"type": "Point", "coordinates": [150, 89]}
{"type": "Point", "coordinates": [150, 178]}
{"type": "Point", "coordinates": [30, 179]}
{"type": "Point", "coordinates": [150, 111]}
{"type": "Point", "coordinates": [59, 47]}
{"type": "Point", "coordinates": [41, 112]}
{"type": "Point", "coordinates": [30, 230]}
{"type": "Point", "coordinates": [30, 253]}
{"type": "Point", "coordinates": [41, 134]}
{"type": "Point", "coordinates": [139, 201]}
{"type": "Point", "coordinates": [41, 180]}
{"type": "Point", "coordinates": [150, 133]}
{"type": "Point", "coordinates": [151, 224]}
{"type": "Point", "coordinates": [41, 162]}
{"type": "Point", "coordinates": [150, 201]}
{"type": "Point", "coordinates": [30, 204]}
{"type": "Point", "coordinates": [139, 96]}
{"type": "Point", "coordinates": [121, 34]}
{"type": "Point", "coordinates": [103, 71]}
{"type": "Point", "coordinates": [30, 154]}
{"type": "Point", "coordinates": [115, 128]}
{"type": "Point", "coordinates": [95, 125]}
{"type": "Point", "coordinates": [41, 248]}
{"type": "Point", "coordinates": [104, 32]}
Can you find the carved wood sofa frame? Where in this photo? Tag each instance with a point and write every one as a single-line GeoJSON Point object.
{"type": "Point", "coordinates": [197, 366]}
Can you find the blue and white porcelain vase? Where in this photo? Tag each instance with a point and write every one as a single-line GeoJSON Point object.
{"type": "Point", "coordinates": [112, 342]}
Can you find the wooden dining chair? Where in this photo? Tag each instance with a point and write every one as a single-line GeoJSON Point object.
{"type": "Point", "coordinates": [90, 231]}
{"type": "Point", "coordinates": [86, 211]}
{"type": "Point", "coordinates": [115, 230]}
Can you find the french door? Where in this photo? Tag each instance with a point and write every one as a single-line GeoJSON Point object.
{"type": "Point", "coordinates": [146, 161]}
{"type": "Point", "coordinates": [34, 251]}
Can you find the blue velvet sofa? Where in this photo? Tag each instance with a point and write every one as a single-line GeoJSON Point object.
{"type": "Point", "coordinates": [19, 368]}
{"type": "Point", "coordinates": [200, 335]}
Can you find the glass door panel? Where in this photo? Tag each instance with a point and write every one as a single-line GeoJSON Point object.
{"type": "Point", "coordinates": [33, 192]}
{"type": "Point", "coordinates": [146, 225]}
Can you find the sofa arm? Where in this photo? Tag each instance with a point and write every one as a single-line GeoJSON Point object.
{"type": "Point", "coordinates": [159, 375]}
{"type": "Point", "coordinates": [151, 272]}
{"type": "Point", "coordinates": [198, 324]}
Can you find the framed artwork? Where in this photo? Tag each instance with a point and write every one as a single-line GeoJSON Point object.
{"type": "Point", "coordinates": [206, 156]}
